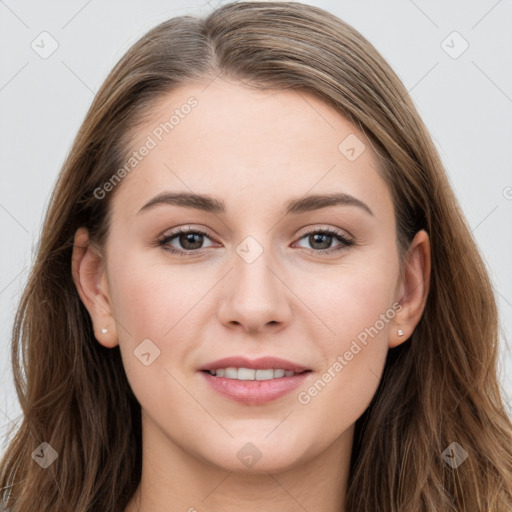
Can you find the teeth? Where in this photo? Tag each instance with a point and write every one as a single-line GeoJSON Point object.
{"type": "Point", "coordinates": [251, 373]}
{"type": "Point", "coordinates": [263, 374]}
{"type": "Point", "coordinates": [231, 373]}
{"type": "Point", "coordinates": [247, 374]}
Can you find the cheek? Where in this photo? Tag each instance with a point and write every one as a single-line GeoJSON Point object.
{"type": "Point", "coordinates": [151, 302]}
{"type": "Point", "coordinates": [151, 299]}
{"type": "Point", "coordinates": [351, 297]}
{"type": "Point", "coordinates": [344, 386]}
{"type": "Point", "coordinates": [163, 304]}
{"type": "Point", "coordinates": [358, 306]}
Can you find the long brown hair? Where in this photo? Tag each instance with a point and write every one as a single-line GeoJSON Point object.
{"type": "Point", "coordinates": [438, 388]}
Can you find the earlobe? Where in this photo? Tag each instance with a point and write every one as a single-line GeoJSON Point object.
{"type": "Point", "coordinates": [89, 275]}
{"type": "Point", "coordinates": [414, 288]}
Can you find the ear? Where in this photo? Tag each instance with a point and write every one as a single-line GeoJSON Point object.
{"type": "Point", "coordinates": [90, 279]}
{"type": "Point", "coordinates": [413, 288]}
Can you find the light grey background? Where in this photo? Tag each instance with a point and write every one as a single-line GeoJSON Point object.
{"type": "Point", "coordinates": [466, 103]}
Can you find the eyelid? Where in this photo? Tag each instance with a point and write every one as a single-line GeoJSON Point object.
{"type": "Point", "coordinates": [305, 231]}
{"type": "Point", "coordinates": [325, 227]}
{"type": "Point", "coordinates": [185, 229]}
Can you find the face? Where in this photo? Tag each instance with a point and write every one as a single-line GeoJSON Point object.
{"type": "Point", "coordinates": [315, 285]}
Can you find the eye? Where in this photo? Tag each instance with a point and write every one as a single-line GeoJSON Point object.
{"type": "Point", "coordinates": [322, 239]}
{"type": "Point", "coordinates": [190, 240]}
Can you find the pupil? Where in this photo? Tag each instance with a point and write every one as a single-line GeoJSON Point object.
{"type": "Point", "coordinates": [320, 235]}
{"type": "Point", "coordinates": [189, 237]}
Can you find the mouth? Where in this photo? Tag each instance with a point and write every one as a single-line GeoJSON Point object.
{"type": "Point", "coordinates": [254, 382]}
{"type": "Point", "coordinates": [246, 374]}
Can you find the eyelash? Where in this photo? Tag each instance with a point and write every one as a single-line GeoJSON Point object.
{"type": "Point", "coordinates": [346, 242]}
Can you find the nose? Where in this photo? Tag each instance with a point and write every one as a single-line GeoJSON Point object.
{"type": "Point", "coordinates": [255, 297]}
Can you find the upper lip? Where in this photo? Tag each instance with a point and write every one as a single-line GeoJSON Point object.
{"type": "Point", "coordinates": [261, 363]}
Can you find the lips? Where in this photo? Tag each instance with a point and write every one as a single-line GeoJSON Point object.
{"type": "Point", "coordinates": [236, 378]}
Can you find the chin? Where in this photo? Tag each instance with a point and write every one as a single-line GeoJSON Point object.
{"type": "Point", "coordinates": [257, 456]}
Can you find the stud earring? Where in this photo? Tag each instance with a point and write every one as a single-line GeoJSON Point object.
{"type": "Point", "coordinates": [400, 332]}
{"type": "Point", "coordinates": [104, 331]}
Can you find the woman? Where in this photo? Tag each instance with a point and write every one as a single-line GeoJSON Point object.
{"type": "Point", "coordinates": [327, 342]}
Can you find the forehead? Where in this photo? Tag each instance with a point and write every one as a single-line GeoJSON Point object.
{"type": "Point", "coordinates": [246, 146]}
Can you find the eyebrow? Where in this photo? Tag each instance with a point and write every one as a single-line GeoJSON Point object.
{"type": "Point", "coordinates": [217, 206]}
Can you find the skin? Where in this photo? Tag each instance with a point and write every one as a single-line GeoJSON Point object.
{"type": "Point", "coordinates": [254, 150]}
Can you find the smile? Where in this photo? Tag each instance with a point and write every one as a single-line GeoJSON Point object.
{"type": "Point", "coordinates": [251, 373]}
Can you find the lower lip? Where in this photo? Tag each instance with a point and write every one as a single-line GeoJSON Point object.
{"type": "Point", "coordinates": [254, 392]}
